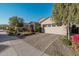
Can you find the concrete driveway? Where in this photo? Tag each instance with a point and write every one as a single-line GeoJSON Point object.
{"type": "Point", "coordinates": [39, 44]}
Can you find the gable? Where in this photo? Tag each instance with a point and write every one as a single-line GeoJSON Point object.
{"type": "Point", "coordinates": [48, 21]}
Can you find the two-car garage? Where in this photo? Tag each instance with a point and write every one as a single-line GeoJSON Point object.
{"type": "Point", "coordinates": [48, 26]}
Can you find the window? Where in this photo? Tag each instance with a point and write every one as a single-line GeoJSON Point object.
{"type": "Point", "coordinates": [49, 25]}
{"type": "Point", "coordinates": [53, 25]}
{"type": "Point", "coordinates": [45, 25]}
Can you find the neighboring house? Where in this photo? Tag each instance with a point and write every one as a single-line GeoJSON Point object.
{"type": "Point", "coordinates": [48, 26]}
{"type": "Point", "coordinates": [32, 27]}
{"type": "Point", "coordinates": [28, 27]}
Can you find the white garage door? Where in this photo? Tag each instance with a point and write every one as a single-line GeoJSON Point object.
{"type": "Point", "coordinates": [61, 30]}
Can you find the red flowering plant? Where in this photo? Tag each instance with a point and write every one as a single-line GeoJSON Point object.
{"type": "Point", "coordinates": [75, 41]}
{"type": "Point", "coordinates": [75, 38]}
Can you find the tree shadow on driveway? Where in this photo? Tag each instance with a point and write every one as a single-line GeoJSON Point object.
{"type": "Point", "coordinates": [5, 37]}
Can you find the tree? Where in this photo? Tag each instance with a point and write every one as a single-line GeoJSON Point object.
{"type": "Point", "coordinates": [66, 13]}
{"type": "Point", "coordinates": [58, 13]}
{"type": "Point", "coordinates": [16, 21]}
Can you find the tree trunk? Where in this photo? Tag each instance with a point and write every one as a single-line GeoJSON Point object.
{"type": "Point", "coordinates": [68, 30]}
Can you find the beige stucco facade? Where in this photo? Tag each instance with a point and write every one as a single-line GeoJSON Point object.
{"type": "Point", "coordinates": [46, 21]}
{"type": "Point", "coordinates": [48, 26]}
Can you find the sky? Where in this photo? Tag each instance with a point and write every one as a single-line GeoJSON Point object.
{"type": "Point", "coordinates": [28, 11]}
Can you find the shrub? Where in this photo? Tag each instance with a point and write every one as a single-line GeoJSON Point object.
{"type": "Point", "coordinates": [38, 28]}
{"type": "Point", "coordinates": [67, 41]}
{"type": "Point", "coordinates": [11, 30]}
